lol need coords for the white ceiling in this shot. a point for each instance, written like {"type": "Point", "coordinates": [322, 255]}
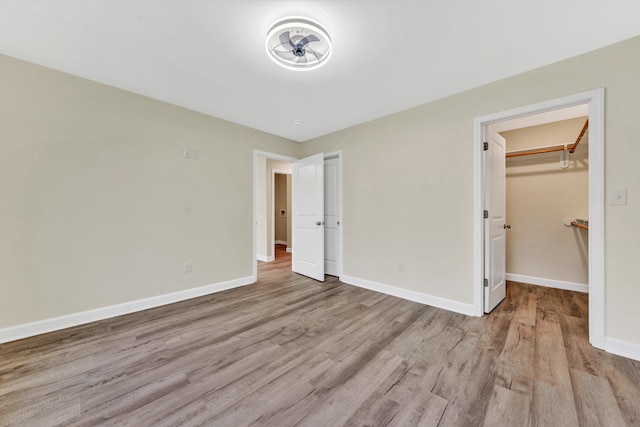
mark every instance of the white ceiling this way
{"type": "Point", "coordinates": [388, 56]}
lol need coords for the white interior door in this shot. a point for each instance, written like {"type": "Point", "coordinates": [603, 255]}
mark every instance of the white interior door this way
{"type": "Point", "coordinates": [331, 216]}
{"type": "Point", "coordinates": [307, 194]}
{"type": "Point", "coordinates": [495, 231]}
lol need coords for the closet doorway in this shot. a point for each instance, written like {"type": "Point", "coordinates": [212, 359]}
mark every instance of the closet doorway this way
{"type": "Point", "coordinates": [547, 198]}
{"type": "Point", "coordinates": [594, 102]}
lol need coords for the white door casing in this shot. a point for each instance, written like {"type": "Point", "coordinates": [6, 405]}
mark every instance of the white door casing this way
{"type": "Point", "coordinates": [307, 194]}
{"type": "Point", "coordinates": [495, 231]}
{"type": "Point", "coordinates": [332, 216]}
{"type": "Point", "coordinates": [597, 295]}
{"type": "Point", "coordinates": [257, 155]}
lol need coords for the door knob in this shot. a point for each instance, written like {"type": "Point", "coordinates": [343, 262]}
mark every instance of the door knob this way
{"type": "Point", "coordinates": [507, 226]}
{"type": "Point", "coordinates": [318, 223]}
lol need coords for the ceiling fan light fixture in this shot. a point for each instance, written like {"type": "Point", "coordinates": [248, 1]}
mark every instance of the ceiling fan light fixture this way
{"type": "Point", "coordinates": [299, 44]}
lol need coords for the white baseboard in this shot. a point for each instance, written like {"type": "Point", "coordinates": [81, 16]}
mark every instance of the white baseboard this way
{"type": "Point", "coordinates": [434, 301]}
{"type": "Point", "coordinates": [550, 283]}
{"type": "Point", "coordinates": [289, 250]}
{"type": "Point", "coordinates": [13, 333]}
{"type": "Point", "coordinates": [265, 258]}
{"type": "Point", "coordinates": [280, 242]}
{"type": "Point", "coordinates": [622, 348]}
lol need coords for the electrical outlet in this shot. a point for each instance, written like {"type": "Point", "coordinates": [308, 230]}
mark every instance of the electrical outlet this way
{"type": "Point", "coordinates": [401, 266]}
{"type": "Point", "coordinates": [188, 268]}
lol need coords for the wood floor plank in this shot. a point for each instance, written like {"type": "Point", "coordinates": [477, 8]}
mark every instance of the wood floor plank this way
{"type": "Point", "coordinates": [552, 406]}
{"type": "Point", "coordinates": [377, 410]}
{"type": "Point", "coordinates": [525, 311]}
{"type": "Point", "coordinates": [127, 402]}
{"type": "Point", "coordinates": [551, 362]}
{"type": "Point", "coordinates": [580, 354]}
{"type": "Point", "coordinates": [474, 389]}
{"type": "Point", "coordinates": [192, 414]}
{"type": "Point", "coordinates": [515, 364]}
{"type": "Point", "coordinates": [347, 397]}
{"type": "Point", "coordinates": [548, 304]}
{"type": "Point", "coordinates": [595, 402]}
{"type": "Point", "coordinates": [508, 408]}
{"type": "Point", "coordinates": [422, 409]}
{"type": "Point", "coordinates": [288, 350]}
{"type": "Point", "coordinates": [553, 397]}
{"type": "Point", "coordinates": [622, 375]}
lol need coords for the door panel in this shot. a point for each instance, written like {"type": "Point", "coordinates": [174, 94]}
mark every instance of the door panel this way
{"type": "Point", "coordinates": [307, 194]}
{"type": "Point", "coordinates": [495, 236]}
{"type": "Point", "coordinates": [331, 216]}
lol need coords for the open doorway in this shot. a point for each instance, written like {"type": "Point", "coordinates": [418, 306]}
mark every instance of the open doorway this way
{"type": "Point", "coordinates": [547, 199]}
{"type": "Point", "coordinates": [594, 100]}
{"type": "Point", "coordinates": [266, 166]}
{"type": "Point", "coordinates": [281, 213]}
{"type": "Point", "coordinates": [269, 181]}
{"type": "Point", "coordinates": [272, 173]}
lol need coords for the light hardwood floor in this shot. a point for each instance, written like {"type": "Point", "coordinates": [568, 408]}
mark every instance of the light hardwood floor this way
{"type": "Point", "coordinates": [291, 351]}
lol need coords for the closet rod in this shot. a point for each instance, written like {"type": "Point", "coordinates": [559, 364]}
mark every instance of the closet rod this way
{"type": "Point", "coordinates": [584, 227]}
{"type": "Point", "coordinates": [575, 144]}
{"type": "Point", "coordinates": [571, 148]}
{"type": "Point", "coordinates": [540, 151]}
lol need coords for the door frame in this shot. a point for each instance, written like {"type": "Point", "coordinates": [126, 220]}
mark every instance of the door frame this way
{"type": "Point", "coordinates": [280, 157]}
{"type": "Point", "coordinates": [272, 156]}
{"type": "Point", "coordinates": [595, 100]}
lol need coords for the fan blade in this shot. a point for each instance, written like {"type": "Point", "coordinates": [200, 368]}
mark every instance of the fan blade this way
{"type": "Point", "coordinates": [288, 55]}
{"type": "Point", "coordinates": [310, 38]}
{"type": "Point", "coordinates": [285, 39]}
{"type": "Point", "coordinates": [314, 53]}
{"type": "Point", "coordinates": [301, 60]}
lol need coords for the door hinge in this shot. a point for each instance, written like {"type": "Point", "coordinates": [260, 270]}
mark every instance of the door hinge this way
{"type": "Point", "coordinates": [485, 214]}
{"type": "Point", "coordinates": [486, 283]}
{"type": "Point", "coordinates": [485, 146]}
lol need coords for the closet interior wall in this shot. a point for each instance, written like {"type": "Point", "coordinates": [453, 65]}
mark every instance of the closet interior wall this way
{"type": "Point", "coordinates": [540, 195]}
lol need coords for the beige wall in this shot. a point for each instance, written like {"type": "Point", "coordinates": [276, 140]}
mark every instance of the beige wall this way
{"type": "Point", "coordinates": [408, 182]}
{"type": "Point", "coordinates": [289, 222]}
{"type": "Point", "coordinates": [280, 198]}
{"type": "Point", "coordinates": [539, 196]}
{"type": "Point", "coordinates": [262, 245]}
{"type": "Point", "coordinates": [99, 207]}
